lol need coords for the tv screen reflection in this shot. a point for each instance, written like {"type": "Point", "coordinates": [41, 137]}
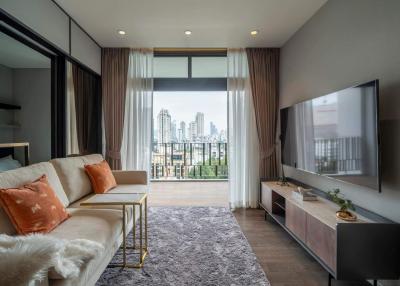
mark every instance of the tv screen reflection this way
{"type": "Point", "coordinates": [335, 135]}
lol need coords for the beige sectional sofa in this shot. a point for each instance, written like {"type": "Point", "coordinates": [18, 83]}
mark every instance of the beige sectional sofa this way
{"type": "Point", "coordinates": [71, 184]}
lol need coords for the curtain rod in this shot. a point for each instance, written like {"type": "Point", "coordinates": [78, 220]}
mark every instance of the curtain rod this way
{"type": "Point", "coordinates": [210, 50]}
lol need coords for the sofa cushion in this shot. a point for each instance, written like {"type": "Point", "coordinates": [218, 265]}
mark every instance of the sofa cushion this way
{"type": "Point", "coordinates": [100, 225]}
{"type": "Point", "coordinates": [101, 177]}
{"type": "Point", "coordinates": [33, 207]}
{"type": "Point", "coordinates": [77, 204]}
{"type": "Point", "coordinates": [105, 226]}
{"type": "Point", "coordinates": [25, 175]}
{"type": "Point", "coordinates": [72, 175]}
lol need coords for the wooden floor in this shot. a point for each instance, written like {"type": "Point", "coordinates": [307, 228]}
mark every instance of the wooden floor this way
{"type": "Point", "coordinates": [210, 193]}
{"type": "Point", "coordinates": [283, 260]}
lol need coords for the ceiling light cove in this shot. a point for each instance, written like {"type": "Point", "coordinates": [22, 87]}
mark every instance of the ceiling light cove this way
{"type": "Point", "coordinates": [254, 32]}
{"type": "Point", "coordinates": [121, 32]}
{"type": "Point", "coordinates": [188, 32]}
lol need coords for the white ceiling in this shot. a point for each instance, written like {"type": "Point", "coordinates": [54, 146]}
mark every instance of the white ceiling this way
{"type": "Point", "coordinates": [214, 23]}
{"type": "Point", "coordinates": [14, 54]}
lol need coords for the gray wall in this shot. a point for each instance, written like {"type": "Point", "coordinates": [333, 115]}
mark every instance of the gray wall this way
{"type": "Point", "coordinates": [84, 49]}
{"type": "Point", "coordinates": [37, 15]}
{"type": "Point", "coordinates": [6, 116]}
{"type": "Point", "coordinates": [32, 90]}
{"type": "Point", "coordinates": [345, 43]}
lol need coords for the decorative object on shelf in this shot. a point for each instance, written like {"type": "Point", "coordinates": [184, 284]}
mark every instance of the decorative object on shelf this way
{"type": "Point", "coordinates": [305, 194]}
{"type": "Point", "coordinates": [344, 204]}
{"type": "Point", "coordinates": [282, 179]}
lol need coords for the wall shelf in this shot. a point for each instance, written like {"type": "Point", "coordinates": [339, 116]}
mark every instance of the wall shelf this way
{"type": "Point", "coordinates": [280, 205]}
{"type": "Point", "coordinates": [7, 106]}
{"type": "Point", "coordinates": [10, 126]}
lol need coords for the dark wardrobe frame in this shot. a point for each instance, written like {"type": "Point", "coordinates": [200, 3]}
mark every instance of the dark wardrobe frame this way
{"type": "Point", "coordinates": [12, 27]}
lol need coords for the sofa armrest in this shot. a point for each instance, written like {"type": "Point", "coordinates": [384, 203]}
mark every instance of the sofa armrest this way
{"type": "Point", "coordinates": [130, 177]}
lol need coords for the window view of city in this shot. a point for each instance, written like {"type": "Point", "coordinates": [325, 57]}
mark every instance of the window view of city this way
{"type": "Point", "coordinates": [190, 135]}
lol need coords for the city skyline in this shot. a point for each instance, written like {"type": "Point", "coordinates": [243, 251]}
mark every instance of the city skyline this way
{"type": "Point", "coordinates": [169, 130]}
{"type": "Point", "coordinates": [183, 106]}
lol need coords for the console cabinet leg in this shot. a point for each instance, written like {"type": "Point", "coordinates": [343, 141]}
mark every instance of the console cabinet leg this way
{"type": "Point", "coordinates": [329, 279]}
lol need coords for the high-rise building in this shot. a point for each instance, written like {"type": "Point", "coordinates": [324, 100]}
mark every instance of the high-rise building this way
{"type": "Point", "coordinates": [183, 128]}
{"type": "Point", "coordinates": [164, 126]}
{"type": "Point", "coordinates": [200, 124]}
{"type": "Point", "coordinates": [180, 136]}
{"type": "Point", "coordinates": [182, 132]}
{"type": "Point", "coordinates": [192, 130]}
{"type": "Point", "coordinates": [174, 137]}
{"type": "Point", "coordinates": [223, 136]}
{"type": "Point", "coordinates": [213, 129]}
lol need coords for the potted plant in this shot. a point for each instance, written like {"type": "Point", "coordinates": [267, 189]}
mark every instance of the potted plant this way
{"type": "Point", "coordinates": [344, 204]}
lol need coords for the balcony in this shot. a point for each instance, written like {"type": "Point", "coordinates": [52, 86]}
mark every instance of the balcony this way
{"type": "Point", "coordinates": [190, 161]}
{"type": "Point", "coordinates": [338, 156]}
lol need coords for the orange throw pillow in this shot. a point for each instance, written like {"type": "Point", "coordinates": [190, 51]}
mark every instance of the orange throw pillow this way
{"type": "Point", "coordinates": [101, 177]}
{"type": "Point", "coordinates": [33, 208]}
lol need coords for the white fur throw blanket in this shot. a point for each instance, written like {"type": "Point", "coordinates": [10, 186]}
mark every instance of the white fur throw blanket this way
{"type": "Point", "coordinates": [24, 259]}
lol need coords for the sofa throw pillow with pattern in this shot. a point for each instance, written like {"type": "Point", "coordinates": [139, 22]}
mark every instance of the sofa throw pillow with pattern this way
{"type": "Point", "coordinates": [101, 177]}
{"type": "Point", "coordinates": [34, 207]}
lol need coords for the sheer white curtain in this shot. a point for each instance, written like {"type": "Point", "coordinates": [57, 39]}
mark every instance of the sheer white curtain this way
{"type": "Point", "coordinates": [72, 135]}
{"type": "Point", "coordinates": [305, 145]}
{"type": "Point", "coordinates": [243, 140]}
{"type": "Point", "coordinates": [136, 142]}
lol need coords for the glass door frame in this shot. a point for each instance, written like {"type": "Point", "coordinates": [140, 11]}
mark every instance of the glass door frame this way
{"type": "Point", "coordinates": [189, 83]}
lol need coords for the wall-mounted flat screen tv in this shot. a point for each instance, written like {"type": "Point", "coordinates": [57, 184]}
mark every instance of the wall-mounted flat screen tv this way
{"type": "Point", "coordinates": [335, 135]}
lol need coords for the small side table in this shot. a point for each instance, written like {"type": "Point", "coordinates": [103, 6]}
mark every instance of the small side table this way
{"type": "Point", "coordinates": [132, 199]}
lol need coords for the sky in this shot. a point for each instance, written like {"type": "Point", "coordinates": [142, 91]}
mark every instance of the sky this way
{"type": "Point", "coordinates": [184, 105]}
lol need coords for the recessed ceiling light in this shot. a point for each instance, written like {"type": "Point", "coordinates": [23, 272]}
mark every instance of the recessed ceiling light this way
{"type": "Point", "coordinates": [254, 32]}
{"type": "Point", "coordinates": [121, 32]}
{"type": "Point", "coordinates": [188, 32]}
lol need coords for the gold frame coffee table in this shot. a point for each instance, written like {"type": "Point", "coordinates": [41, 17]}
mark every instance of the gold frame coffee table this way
{"type": "Point", "coordinates": [126, 199]}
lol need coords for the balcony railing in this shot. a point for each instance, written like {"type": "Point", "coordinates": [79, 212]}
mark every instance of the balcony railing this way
{"type": "Point", "coordinates": [189, 161]}
{"type": "Point", "coordinates": [339, 155]}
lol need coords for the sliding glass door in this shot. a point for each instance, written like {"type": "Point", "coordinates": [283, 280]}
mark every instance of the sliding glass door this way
{"type": "Point", "coordinates": [189, 117]}
{"type": "Point", "coordinates": [25, 99]}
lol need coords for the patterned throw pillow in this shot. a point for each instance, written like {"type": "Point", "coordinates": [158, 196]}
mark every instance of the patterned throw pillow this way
{"type": "Point", "coordinates": [33, 208]}
{"type": "Point", "coordinates": [101, 177]}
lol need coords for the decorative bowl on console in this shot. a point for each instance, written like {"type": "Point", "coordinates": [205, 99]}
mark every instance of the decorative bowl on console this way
{"type": "Point", "coordinates": [346, 215]}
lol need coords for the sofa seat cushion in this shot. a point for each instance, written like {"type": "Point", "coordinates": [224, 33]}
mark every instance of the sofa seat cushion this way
{"type": "Point", "coordinates": [100, 225]}
{"type": "Point", "coordinates": [25, 175]}
{"type": "Point", "coordinates": [72, 175]}
{"type": "Point", "coordinates": [129, 189]}
{"type": "Point", "coordinates": [128, 209]}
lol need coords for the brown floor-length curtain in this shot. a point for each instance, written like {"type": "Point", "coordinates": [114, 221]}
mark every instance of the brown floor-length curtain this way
{"type": "Point", "coordinates": [114, 64]}
{"type": "Point", "coordinates": [264, 81]}
{"type": "Point", "coordinates": [87, 90]}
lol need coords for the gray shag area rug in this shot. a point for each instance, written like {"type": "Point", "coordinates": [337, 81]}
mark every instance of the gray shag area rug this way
{"type": "Point", "coordinates": [191, 246]}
